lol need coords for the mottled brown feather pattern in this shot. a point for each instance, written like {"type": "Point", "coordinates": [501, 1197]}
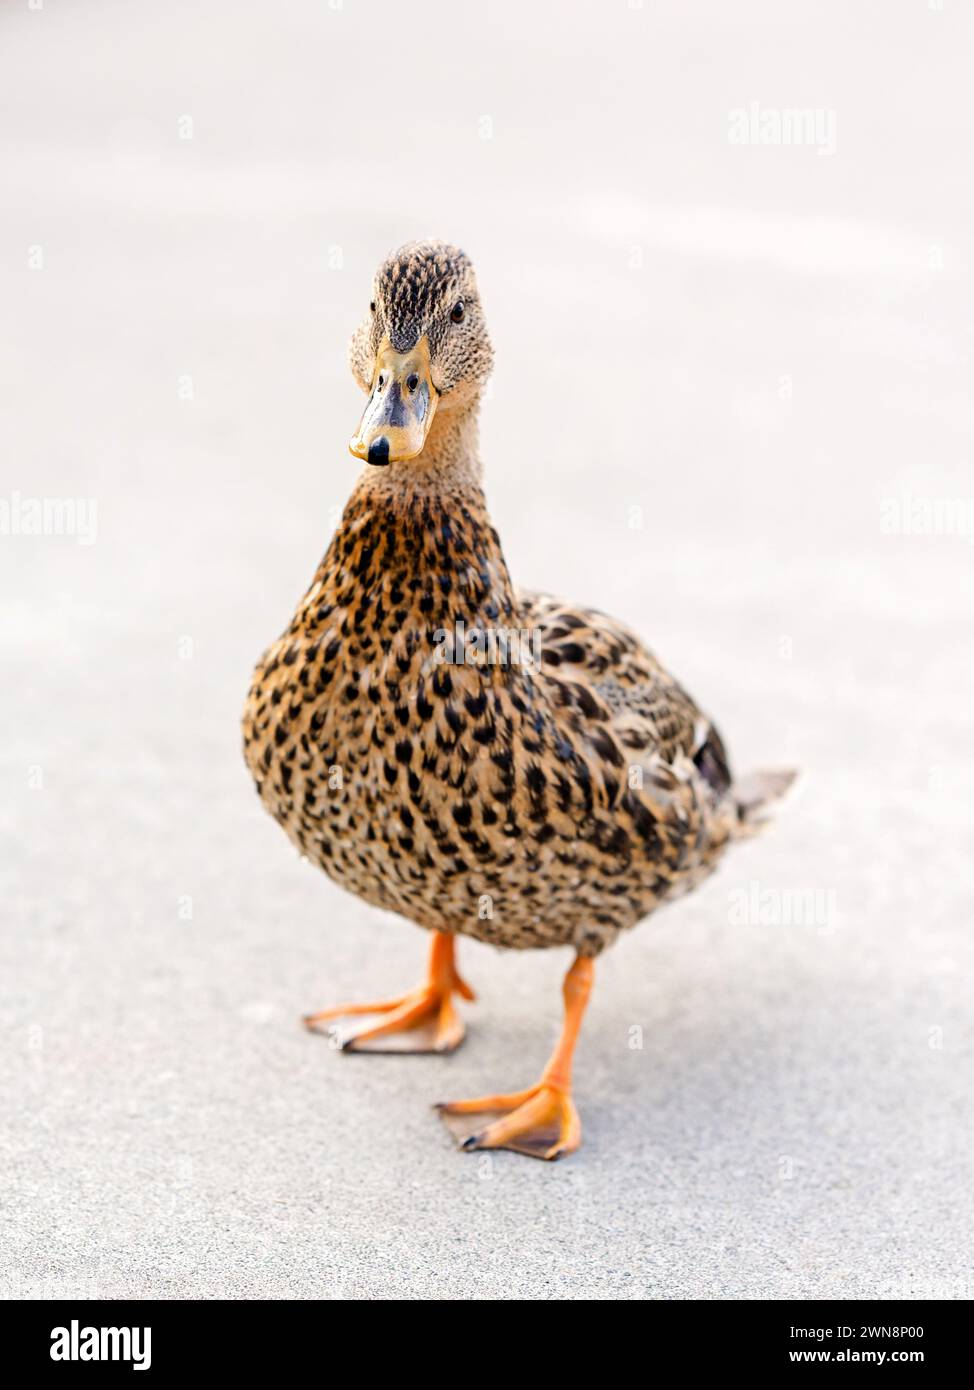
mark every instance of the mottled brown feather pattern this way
{"type": "Point", "coordinates": [462, 781]}
{"type": "Point", "coordinates": [525, 806]}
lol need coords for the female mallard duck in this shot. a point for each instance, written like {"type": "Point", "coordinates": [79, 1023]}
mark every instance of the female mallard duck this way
{"type": "Point", "coordinates": [530, 793]}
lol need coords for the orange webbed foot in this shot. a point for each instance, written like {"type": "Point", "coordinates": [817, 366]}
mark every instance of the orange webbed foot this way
{"type": "Point", "coordinates": [540, 1122]}
{"type": "Point", "coordinates": [422, 1020]}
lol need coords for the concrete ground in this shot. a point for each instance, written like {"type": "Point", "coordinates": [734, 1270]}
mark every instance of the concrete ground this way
{"type": "Point", "coordinates": [729, 374]}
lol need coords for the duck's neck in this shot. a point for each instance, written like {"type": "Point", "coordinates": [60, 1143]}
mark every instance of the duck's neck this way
{"type": "Point", "coordinates": [416, 536]}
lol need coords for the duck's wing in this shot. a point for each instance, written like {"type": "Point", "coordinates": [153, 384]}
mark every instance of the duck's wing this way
{"type": "Point", "coordinates": [650, 712]}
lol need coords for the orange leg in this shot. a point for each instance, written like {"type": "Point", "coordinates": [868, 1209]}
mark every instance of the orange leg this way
{"type": "Point", "coordinates": [424, 1020]}
{"type": "Point", "coordinates": [541, 1121]}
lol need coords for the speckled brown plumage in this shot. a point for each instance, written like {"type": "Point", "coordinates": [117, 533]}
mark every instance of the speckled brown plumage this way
{"type": "Point", "coordinates": [523, 806]}
{"type": "Point", "coordinates": [495, 801]}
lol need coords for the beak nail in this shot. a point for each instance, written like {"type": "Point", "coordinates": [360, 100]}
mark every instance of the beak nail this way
{"type": "Point", "coordinates": [379, 451]}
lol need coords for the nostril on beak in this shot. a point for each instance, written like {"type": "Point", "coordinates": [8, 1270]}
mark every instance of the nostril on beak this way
{"type": "Point", "coordinates": [412, 381]}
{"type": "Point", "coordinates": [379, 451]}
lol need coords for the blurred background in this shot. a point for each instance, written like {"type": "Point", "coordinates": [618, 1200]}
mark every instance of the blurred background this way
{"type": "Point", "coordinates": [725, 255]}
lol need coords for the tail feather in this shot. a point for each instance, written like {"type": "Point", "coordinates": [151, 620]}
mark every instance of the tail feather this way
{"type": "Point", "coordinates": [756, 792]}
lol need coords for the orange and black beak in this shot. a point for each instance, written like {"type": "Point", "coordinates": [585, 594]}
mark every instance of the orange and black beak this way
{"type": "Point", "coordinates": [401, 406]}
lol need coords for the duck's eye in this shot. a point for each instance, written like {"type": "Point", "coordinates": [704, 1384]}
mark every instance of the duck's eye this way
{"type": "Point", "coordinates": [457, 312]}
{"type": "Point", "coordinates": [372, 307]}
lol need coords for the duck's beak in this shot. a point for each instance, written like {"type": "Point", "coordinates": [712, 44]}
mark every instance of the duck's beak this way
{"type": "Point", "coordinates": [401, 406]}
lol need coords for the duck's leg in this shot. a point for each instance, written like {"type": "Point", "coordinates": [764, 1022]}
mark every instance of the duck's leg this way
{"type": "Point", "coordinates": [424, 1020]}
{"type": "Point", "coordinates": [542, 1121]}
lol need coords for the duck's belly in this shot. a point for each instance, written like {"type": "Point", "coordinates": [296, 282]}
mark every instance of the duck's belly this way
{"type": "Point", "coordinates": [402, 840]}
{"type": "Point", "coordinates": [516, 899]}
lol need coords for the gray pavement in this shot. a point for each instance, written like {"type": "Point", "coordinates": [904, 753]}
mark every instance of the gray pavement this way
{"type": "Point", "coordinates": [727, 376]}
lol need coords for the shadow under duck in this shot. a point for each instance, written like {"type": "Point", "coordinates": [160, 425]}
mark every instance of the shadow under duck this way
{"type": "Point", "coordinates": [553, 797]}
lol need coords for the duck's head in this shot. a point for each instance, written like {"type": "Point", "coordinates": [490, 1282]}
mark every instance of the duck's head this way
{"type": "Point", "coordinates": [421, 349]}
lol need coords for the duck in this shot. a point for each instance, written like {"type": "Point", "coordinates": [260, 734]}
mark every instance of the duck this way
{"type": "Point", "coordinates": [481, 760]}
